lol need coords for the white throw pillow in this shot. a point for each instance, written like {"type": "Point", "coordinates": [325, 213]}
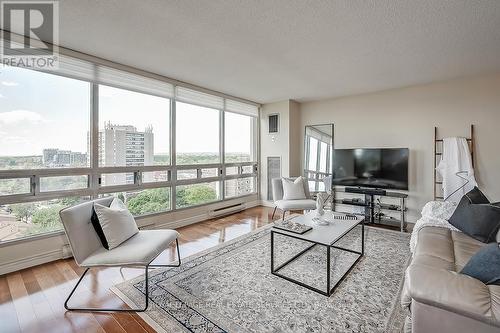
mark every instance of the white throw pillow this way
{"type": "Point", "coordinates": [293, 190]}
{"type": "Point", "coordinates": [116, 221]}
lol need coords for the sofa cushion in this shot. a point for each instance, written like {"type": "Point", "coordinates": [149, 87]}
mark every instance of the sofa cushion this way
{"type": "Point", "coordinates": [444, 248]}
{"type": "Point", "coordinates": [476, 217]}
{"type": "Point", "coordinates": [432, 277]}
{"type": "Point", "coordinates": [476, 196]}
{"type": "Point", "coordinates": [435, 243]}
{"type": "Point", "coordinates": [485, 264]}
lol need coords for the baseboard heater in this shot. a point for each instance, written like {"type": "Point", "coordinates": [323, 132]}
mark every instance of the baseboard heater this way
{"type": "Point", "coordinates": [227, 210]}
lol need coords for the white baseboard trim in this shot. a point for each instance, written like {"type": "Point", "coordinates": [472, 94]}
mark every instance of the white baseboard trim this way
{"type": "Point", "coordinates": [267, 203]}
{"type": "Point", "coordinates": [38, 259]}
{"type": "Point", "coordinates": [197, 218]}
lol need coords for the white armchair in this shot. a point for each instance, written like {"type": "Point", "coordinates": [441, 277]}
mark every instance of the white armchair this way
{"type": "Point", "coordinates": [288, 205]}
{"type": "Point", "coordinates": [139, 250]}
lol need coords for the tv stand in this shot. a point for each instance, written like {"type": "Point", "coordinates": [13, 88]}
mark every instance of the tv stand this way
{"type": "Point", "coordinates": [363, 190]}
{"type": "Point", "coordinates": [373, 210]}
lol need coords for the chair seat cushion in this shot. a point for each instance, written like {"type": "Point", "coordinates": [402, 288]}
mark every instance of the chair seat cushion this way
{"type": "Point", "coordinates": [140, 249]}
{"type": "Point", "coordinates": [296, 204]}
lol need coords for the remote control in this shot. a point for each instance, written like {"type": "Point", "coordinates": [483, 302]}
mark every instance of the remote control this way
{"type": "Point", "coordinates": [345, 217]}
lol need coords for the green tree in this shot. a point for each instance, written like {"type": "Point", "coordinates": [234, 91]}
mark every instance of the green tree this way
{"type": "Point", "coordinates": [45, 220]}
{"type": "Point", "coordinates": [194, 195]}
{"type": "Point", "coordinates": [23, 211]}
{"type": "Point", "coordinates": [149, 201]}
{"type": "Point", "coordinates": [70, 201]}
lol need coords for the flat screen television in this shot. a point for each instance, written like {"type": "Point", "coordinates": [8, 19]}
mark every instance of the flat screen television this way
{"type": "Point", "coordinates": [384, 168]}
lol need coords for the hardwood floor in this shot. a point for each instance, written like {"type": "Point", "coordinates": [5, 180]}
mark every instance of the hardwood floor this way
{"type": "Point", "coordinates": [32, 300]}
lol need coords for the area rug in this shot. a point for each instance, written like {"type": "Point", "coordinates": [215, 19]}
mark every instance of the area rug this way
{"type": "Point", "coordinates": [229, 288]}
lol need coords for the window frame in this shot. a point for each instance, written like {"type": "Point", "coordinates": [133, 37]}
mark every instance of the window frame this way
{"type": "Point", "coordinates": [94, 171]}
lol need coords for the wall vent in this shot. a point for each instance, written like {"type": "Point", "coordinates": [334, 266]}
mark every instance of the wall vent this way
{"type": "Point", "coordinates": [273, 123]}
{"type": "Point", "coordinates": [273, 171]}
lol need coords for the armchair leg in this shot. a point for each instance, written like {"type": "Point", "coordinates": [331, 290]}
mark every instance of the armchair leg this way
{"type": "Point", "coordinates": [67, 307]}
{"type": "Point", "coordinates": [146, 280]}
{"type": "Point", "coordinates": [283, 215]}
{"type": "Point", "coordinates": [178, 257]}
{"type": "Point", "coordinates": [274, 212]}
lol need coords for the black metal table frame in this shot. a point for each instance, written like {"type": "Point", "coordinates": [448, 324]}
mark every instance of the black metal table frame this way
{"type": "Point", "coordinates": [329, 291]}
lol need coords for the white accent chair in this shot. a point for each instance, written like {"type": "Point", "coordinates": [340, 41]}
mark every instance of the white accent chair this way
{"type": "Point", "coordinates": [139, 250]}
{"type": "Point", "coordinates": [288, 205]}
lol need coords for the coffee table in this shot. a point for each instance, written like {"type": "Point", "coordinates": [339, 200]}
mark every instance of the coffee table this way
{"type": "Point", "coordinates": [320, 235]}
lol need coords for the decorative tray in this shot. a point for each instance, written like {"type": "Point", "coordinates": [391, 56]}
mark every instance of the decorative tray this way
{"type": "Point", "coordinates": [296, 228]}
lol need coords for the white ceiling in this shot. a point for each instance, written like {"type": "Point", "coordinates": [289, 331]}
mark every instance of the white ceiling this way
{"type": "Point", "coordinates": [271, 50]}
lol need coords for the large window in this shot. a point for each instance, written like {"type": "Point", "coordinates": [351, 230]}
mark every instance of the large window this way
{"type": "Point", "coordinates": [65, 140]}
{"type": "Point", "coordinates": [240, 143]}
{"type": "Point", "coordinates": [197, 139]}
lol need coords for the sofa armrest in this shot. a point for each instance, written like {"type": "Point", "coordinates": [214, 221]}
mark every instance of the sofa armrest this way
{"type": "Point", "coordinates": [449, 290]}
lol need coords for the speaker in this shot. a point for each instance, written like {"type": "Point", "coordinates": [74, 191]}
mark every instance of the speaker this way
{"type": "Point", "coordinates": [371, 191]}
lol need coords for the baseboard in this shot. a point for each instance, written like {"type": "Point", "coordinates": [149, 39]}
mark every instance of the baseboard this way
{"type": "Point", "coordinates": [195, 219]}
{"type": "Point", "coordinates": [38, 259]}
{"type": "Point", "coordinates": [267, 203]}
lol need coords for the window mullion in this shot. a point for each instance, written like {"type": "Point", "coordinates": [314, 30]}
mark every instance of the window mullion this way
{"type": "Point", "coordinates": [222, 150]}
{"type": "Point", "coordinates": [173, 154]}
{"type": "Point", "coordinates": [94, 139]}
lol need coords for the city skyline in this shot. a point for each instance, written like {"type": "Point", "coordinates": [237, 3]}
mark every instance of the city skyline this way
{"type": "Point", "coordinates": [29, 124]}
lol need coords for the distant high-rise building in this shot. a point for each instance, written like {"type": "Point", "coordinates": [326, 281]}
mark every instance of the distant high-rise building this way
{"type": "Point", "coordinates": [78, 159]}
{"type": "Point", "coordinates": [123, 145]}
{"type": "Point", "coordinates": [240, 186]}
{"type": "Point", "coordinates": [53, 157]}
{"type": "Point", "coordinates": [48, 156]}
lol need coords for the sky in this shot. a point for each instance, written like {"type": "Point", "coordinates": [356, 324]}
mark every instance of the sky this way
{"type": "Point", "coordinates": [39, 110]}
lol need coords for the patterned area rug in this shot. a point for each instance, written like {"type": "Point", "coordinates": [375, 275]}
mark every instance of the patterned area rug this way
{"type": "Point", "coordinates": [229, 288]}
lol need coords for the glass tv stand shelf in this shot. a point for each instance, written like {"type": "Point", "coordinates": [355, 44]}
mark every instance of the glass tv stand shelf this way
{"type": "Point", "coordinates": [375, 211]}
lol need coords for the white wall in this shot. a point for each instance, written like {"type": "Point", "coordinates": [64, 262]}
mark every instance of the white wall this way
{"type": "Point", "coordinates": [284, 144]}
{"type": "Point", "coordinates": [406, 118]}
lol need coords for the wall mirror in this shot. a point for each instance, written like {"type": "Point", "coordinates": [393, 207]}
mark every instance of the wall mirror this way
{"type": "Point", "coordinates": [318, 146]}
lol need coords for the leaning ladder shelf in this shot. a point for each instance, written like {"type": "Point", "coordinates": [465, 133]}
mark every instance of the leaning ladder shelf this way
{"type": "Point", "coordinates": [438, 153]}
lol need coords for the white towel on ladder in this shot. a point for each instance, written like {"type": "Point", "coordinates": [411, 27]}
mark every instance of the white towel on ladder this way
{"type": "Point", "coordinates": [456, 169]}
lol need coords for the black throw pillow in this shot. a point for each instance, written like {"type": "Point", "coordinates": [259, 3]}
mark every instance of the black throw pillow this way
{"type": "Point", "coordinates": [485, 264]}
{"type": "Point", "coordinates": [475, 196]}
{"type": "Point", "coordinates": [476, 217]}
{"type": "Point", "coordinates": [98, 229]}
